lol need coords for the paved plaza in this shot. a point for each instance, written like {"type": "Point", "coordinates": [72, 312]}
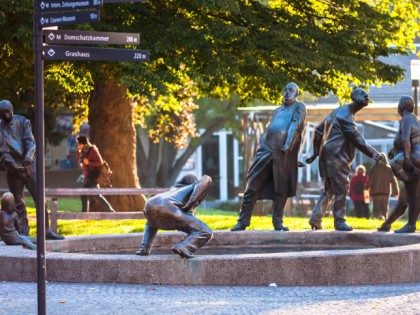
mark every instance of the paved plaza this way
{"type": "Point", "coordinates": [73, 298]}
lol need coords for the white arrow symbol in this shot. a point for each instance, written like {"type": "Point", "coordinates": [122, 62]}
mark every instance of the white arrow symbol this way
{"type": "Point", "coordinates": [51, 52]}
{"type": "Point", "coordinates": [42, 5]}
{"type": "Point", "coordinates": [51, 36]}
{"type": "Point", "coordinates": [42, 20]}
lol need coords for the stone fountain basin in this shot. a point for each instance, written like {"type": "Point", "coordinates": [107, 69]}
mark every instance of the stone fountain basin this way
{"type": "Point", "coordinates": [239, 258]}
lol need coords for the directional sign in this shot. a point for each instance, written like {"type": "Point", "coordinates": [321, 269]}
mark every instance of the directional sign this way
{"type": "Point", "coordinates": [71, 5]}
{"type": "Point", "coordinates": [89, 38]}
{"type": "Point", "coordinates": [64, 18]}
{"type": "Point", "coordinates": [93, 53]}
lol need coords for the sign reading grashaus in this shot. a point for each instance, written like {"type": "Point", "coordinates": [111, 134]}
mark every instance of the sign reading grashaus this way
{"type": "Point", "coordinates": [94, 54]}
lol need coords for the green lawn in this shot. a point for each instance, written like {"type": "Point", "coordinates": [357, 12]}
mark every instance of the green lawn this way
{"type": "Point", "coordinates": [216, 219]}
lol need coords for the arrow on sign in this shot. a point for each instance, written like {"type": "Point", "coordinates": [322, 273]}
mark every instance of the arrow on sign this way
{"type": "Point", "coordinates": [94, 54]}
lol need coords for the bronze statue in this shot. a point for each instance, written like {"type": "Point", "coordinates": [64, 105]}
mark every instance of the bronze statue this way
{"type": "Point", "coordinates": [17, 154]}
{"type": "Point", "coordinates": [9, 224]}
{"type": "Point", "coordinates": [335, 141]}
{"type": "Point", "coordinates": [405, 158]}
{"type": "Point", "coordinates": [174, 210]}
{"type": "Point", "coordinates": [273, 173]}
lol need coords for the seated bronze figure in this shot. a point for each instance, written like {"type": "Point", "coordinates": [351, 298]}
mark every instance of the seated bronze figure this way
{"type": "Point", "coordinates": [9, 223]}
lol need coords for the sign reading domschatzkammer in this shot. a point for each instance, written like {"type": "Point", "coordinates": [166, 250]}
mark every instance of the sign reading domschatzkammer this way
{"type": "Point", "coordinates": [89, 37]}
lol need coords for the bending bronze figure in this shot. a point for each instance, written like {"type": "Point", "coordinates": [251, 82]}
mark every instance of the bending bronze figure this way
{"type": "Point", "coordinates": [174, 210]}
{"type": "Point", "coordinates": [273, 173]}
{"type": "Point", "coordinates": [335, 141]}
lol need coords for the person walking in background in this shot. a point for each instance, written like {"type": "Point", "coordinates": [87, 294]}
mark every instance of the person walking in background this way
{"type": "Point", "coordinates": [359, 194]}
{"type": "Point", "coordinates": [381, 181]}
{"type": "Point", "coordinates": [91, 161]}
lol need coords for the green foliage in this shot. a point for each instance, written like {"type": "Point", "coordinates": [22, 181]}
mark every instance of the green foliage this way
{"type": "Point", "coordinates": [169, 116]}
{"type": "Point", "coordinates": [236, 47]}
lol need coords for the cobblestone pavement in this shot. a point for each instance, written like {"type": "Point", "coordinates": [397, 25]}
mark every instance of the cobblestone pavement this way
{"type": "Point", "coordinates": [98, 299]}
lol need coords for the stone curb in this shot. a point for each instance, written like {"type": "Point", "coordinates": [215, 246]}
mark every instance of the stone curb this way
{"type": "Point", "coordinates": [383, 265]}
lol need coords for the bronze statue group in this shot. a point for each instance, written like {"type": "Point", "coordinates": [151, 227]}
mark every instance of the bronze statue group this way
{"type": "Point", "coordinates": [272, 174]}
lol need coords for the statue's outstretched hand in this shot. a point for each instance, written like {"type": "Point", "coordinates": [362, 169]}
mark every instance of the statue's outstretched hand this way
{"type": "Point", "coordinates": [378, 158]}
{"type": "Point", "coordinates": [285, 149]}
{"type": "Point", "coordinates": [310, 159]}
{"type": "Point", "coordinates": [391, 153]}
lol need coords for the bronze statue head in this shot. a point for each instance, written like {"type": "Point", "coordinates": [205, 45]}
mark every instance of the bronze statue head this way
{"type": "Point", "coordinates": [8, 202]}
{"type": "Point", "coordinates": [360, 97]}
{"type": "Point", "coordinates": [406, 104]}
{"type": "Point", "coordinates": [290, 94]}
{"type": "Point", "coordinates": [6, 110]}
{"type": "Point", "coordinates": [186, 180]}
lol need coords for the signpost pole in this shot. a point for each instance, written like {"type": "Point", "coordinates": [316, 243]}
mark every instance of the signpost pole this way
{"type": "Point", "coordinates": [56, 13]}
{"type": "Point", "coordinates": [40, 171]}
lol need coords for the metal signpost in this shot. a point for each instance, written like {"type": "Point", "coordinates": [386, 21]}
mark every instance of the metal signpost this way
{"type": "Point", "coordinates": [49, 13]}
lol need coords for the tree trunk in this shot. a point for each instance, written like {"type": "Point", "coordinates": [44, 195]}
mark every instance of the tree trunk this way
{"type": "Point", "coordinates": [112, 131]}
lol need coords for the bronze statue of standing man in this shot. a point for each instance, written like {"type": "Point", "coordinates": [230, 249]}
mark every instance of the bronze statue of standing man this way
{"type": "Point", "coordinates": [335, 141]}
{"type": "Point", "coordinates": [17, 154]}
{"type": "Point", "coordinates": [273, 173]}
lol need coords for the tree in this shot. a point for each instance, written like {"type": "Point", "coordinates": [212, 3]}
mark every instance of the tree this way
{"type": "Point", "coordinates": [227, 48]}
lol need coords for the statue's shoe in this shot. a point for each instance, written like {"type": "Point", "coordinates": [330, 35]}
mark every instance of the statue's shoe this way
{"type": "Point", "coordinates": [384, 227]}
{"type": "Point", "coordinates": [408, 228]}
{"type": "Point", "coordinates": [280, 227]}
{"type": "Point", "coordinates": [343, 226]}
{"type": "Point", "coordinates": [50, 235]}
{"type": "Point", "coordinates": [238, 227]}
{"type": "Point", "coordinates": [143, 251]}
{"type": "Point", "coordinates": [315, 226]}
{"type": "Point", "coordinates": [182, 251]}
